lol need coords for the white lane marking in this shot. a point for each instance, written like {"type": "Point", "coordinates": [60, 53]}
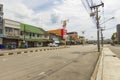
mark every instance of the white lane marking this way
{"type": "Point", "coordinates": [42, 73]}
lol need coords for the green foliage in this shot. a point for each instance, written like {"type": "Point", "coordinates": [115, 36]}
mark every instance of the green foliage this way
{"type": "Point", "coordinates": [113, 36]}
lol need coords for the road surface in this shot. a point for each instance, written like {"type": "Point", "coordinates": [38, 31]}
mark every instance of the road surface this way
{"type": "Point", "coordinates": [74, 63]}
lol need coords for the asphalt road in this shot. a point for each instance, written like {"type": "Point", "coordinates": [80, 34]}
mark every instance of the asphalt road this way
{"type": "Point", "coordinates": [116, 50]}
{"type": "Point", "coordinates": [74, 63]}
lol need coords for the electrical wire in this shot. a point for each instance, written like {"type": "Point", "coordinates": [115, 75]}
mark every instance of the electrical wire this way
{"type": "Point", "coordinates": [86, 7]}
{"type": "Point", "coordinates": [110, 28]}
{"type": "Point", "coordinates": [87, 4]}
{"type": "Point", "coordinates": [91, 2]}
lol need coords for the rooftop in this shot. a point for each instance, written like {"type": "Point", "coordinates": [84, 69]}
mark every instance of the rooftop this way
{"type": "Point", "coordinates": [31, 28]}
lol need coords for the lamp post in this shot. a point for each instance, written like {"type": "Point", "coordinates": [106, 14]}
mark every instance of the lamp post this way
{"type": "Point", "coordinates": [104, 29]}
{"type": "Point", "coordinates": [83, 39]}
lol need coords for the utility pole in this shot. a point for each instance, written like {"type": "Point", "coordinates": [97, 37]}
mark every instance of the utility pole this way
{"type": "Point", "coordinates": [102, 37]}
{"type": "Point", "coordinates": [97, 23]}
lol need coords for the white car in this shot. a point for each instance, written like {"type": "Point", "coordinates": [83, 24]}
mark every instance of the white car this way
{"type": "Point", "coordinates": [53, 45]}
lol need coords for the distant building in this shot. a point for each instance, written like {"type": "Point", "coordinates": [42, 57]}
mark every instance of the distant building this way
{"type": "Point", "coordinates": [73, 37]}
{"type": "Point", "coordinates": [60, 32]}
{"type": "Point", "coordinates": [118, 32]}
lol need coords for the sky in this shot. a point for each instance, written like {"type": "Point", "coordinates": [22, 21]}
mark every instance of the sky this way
{"type": "Point", "coordinates": [48, 14]}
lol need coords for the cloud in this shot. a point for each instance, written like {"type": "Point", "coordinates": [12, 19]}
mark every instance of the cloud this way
{"type": "Point", "coordinates": [36, 12]}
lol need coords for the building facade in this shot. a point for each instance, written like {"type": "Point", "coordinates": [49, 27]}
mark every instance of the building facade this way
{"type": "Point", "coordinates": [60, 32]}
{"type": "Point", "coordinates": [60, 35]}
{"type": "Point", "coordinates": [20, 34]}
{"type": "Point", "coordinates": [33, 36]}
{"type": "Point", "coordinates": [11, 32]}
{"type": "Point", "coordinates": [118, 32]}
{"type": "Point", "coordinates": [54, 38]}
{"type": "Point", "coordinates": [1, 25]}
{"type": "Point", "coordinates": [73, 38]}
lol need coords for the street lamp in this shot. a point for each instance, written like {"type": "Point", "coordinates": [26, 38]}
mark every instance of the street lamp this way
{"type": "Point", "coordinates": [83, 39]}
{"type": "Point", "coordinates": [107, 20]}
{"type": "Point", "coordinates": [104, 29]}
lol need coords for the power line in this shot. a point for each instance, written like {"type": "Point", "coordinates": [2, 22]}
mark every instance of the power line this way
{"type": "Point", "coordinates": [110, 28]}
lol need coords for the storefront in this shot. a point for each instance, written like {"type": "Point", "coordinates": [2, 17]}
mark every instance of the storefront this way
{"type": "Point", "coordinates": [8, 42]}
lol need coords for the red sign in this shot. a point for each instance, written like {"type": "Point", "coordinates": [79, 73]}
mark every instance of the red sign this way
{"type": "Point", "coordinates": [63, 32]}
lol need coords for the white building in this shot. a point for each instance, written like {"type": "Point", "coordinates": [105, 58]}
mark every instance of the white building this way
{"type": "Point", "coordinates": [11, 31]}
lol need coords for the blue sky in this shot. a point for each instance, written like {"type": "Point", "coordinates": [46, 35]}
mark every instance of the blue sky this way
{"type": "Point", "coordinates": [48, 14]}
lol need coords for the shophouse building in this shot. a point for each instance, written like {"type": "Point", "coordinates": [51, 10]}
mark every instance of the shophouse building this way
{"type": "Point", "coordinates": [33, 36]}
{"type": "Point", "coordinates": [11, 32]}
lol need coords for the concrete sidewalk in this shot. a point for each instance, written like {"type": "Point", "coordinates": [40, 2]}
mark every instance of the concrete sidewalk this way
{"type": "Point", "coordinates": [107, 67]}
{"type": "Point", "coordinates": [111, 65]}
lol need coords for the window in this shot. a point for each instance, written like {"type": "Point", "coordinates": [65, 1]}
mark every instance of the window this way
{"type": "Point", "coordinates": [0, 8]}
{"type": "Point", "coordinates": [8, 30]}
{"type": "Point", "coordinates": [21, 33]}
{"type": "Point", "coordinates": [16, 32]}
{"type": "Point", "coordinates": [37, 35]}
{"type": "Point", "coordinates": [0, 31]}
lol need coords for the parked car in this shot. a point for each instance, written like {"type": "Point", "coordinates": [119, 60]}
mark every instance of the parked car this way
{"type": "Point", "coordinates": [53, 45]}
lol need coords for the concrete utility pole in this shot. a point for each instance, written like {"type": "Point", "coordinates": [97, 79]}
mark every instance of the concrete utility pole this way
{"type": "Point", "coordinates": [97, 23]}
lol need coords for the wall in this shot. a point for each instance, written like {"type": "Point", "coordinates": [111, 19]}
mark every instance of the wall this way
{"type": "Point", "coordinates": [0, 40]}
{"type": "Point", "coordinates": [14, 26]}
{"type": "Point", "coordinates": [118, 32]}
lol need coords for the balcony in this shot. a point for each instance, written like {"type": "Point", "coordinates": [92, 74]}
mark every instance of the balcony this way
{"type": "Point", "coordinates": [28, 38]}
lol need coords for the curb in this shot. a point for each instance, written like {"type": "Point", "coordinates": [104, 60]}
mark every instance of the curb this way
{"type": "Point", "coordinates": [97, 73]}
{"type": "Point", "coordinates": [16, 52]}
